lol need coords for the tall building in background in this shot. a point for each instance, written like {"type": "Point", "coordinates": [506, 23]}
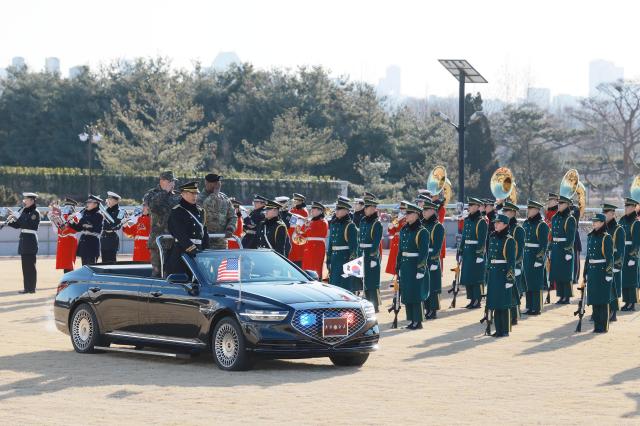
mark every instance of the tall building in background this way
{"type": "Point", "coordinates": [601, 71]}
{"type": "Point", "coordinates": [18, 62]}
{"type": "Point", "coordinates": [77, 70]}
{"type": "Point", "coordinates": [224, 60]}
{"type": "Point", "coordinates": [540, 96]}
{"type": "Point", "coordinates": [389, 85]}
{"type": "Point", "coordinates": [52, 65]}
{"type": "Point", "coordinates": [563, 102]}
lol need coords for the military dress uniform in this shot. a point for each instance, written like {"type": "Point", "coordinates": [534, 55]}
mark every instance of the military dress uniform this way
{"type": "Point", "coordinates": [315, 231]}
{"type": "Point", "coordinates": [517, 233]}
{"type": "Point", "coordinates": [139, 231]}
{"type": "Point", "coordinates": [358, 214]}
{"type": "Point", "coordinates": [67, 244]}
{"type": "Point", "coordinates": [233, 244]}
{"type": "Point", "coordinates": [533, 268]}
{"type": "Point", "coordinates": [300, 209]}
{"type": "Point", "coordinates": [221, 218]}
{"type": "Point", "coordinates": [342, 247]}
{"type": "Point", "coordinates": [598, 274]}
{"type": "Point", "coordinates": [411, 267]}
{"type": "Point", "coordinates": [28, 223]}
{"type": "Point", "coordinates": [187, 225]}
{"type": "Point", "coordinates": [273, 232]}
{"type": "Point", "coordinates": [472, 254]}
{"type": "Point", "coordinates": [253, 225]}
{"type": "Point", "coordinates": [630, 264]}
{"type": "Point", "coordinates": [393, 230]}
{"type": "Point", "coordinates": [501, 278]}
{"type": "Point", "coordinates": [109, 240]}
{"type": "Point", "coordinates": [89, 227]}
{"type": "Point", "coordinates": [618, 235]}
{"type": "Point", "coordinates": [369, 237]}
{"type": "Point", "coordinates": [563, 232]}
{"type": "Point", "coordinates": [435, 230]}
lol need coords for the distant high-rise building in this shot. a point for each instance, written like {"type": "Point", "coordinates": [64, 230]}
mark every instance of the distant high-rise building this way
{"type": "Point", "coordinates": [562, 102]}
{"type": "Point", "coordinates": [390, 84]}
{"type": "Point", "coordinates": [3, 73]}
{"type": "Point", "coordinates": [52, 65]}
{"type": "Point", "coordinates": [601, 71]}
{"type": "Point", "coordinates": [77, 70]}
{"type": "Point", "coordinates": [224, 60]}
{"type": "Point", "coordinates": [540, 96]}
{"type": "Point", "coordinates": [18, 62]}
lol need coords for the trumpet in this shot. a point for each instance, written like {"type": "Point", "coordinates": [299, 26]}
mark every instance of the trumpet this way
{"type": "Point", "coordinates": [12, 216]}
{"type": "Point", "coordinates": [105, 213]}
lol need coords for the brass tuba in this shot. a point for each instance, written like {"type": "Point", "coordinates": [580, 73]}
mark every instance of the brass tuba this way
{"type": "Point", "coordinates": [635, 188]}
{"type": "Point", "coordinates": [439, 183]}
{"type": "Point", "coordinates": [571, 186]}
{"type": "Point", "coordinates": [503, 186]}
{"type": "Point", "coordinates": [297, 236]}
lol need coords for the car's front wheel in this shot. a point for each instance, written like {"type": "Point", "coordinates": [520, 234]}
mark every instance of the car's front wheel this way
{"type": "Point", "coordinates": [228, 346]}
{"type": "Point", "coordinates": [85, 332]}
{"type": "Point", "coordinates": [354, 360]}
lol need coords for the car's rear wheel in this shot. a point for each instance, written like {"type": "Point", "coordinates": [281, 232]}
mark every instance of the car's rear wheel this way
{"type": "Point", "coordinates": [229, 347]}
{"type": "Point", "coordinates": [84, 329]}
{"type": "Point", "coordinates": [354, 360]}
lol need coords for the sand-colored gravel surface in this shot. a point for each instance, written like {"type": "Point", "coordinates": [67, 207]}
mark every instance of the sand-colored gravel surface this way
{"type": "Point", "coordinates": [447, 373]}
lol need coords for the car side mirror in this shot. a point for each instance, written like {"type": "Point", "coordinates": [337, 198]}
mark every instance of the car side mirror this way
{"type": "Point", "coordinates": [312, 274]}
{"type": "Point", "coordinates": [181, 278]}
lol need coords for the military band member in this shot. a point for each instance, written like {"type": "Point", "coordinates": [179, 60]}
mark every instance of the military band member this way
{"type": "Point", "coordinates": [472, 253]}
{"type": "Point", "coordinates": [161, 201]}
{"type": "Point", "coordinates": [502, 264]}
{"type": "Point", "coordinates": [358, 211]}
{"type": "Point", "coordinates": [237, 211]}
{"type": "Point", "coordinates": [109, 240]}
{"type": "Point", "coordinates": [253, 223]}
{"type": "Point", "coordinates": [285, 214]}
{"type": "Point", "coordinates": [563, 232]}
{"type": "Point", "coordinates": [221, 217]}
{"type": "Point", "coordinates": [300, 209]}
{"type": "Point", "coordinates": [393, 230]}
{"type": "Point", "coordinates": [342, 247]}
{"type": "Point", "coordinates": [187, 225]}
{"type": "Point", "coordinates": [517, 232]}
{"type": "Point", "coordinates": [27, 222]}
{"type": "Point", "coordinates": [435, 230]}
{"type": "Point", "coordinates": [617, 234]}
{"type": "Point", "coordinates": [632, 245]}
{"type": "Point", "coordinates": [315, 231]}
{"type": "Point", "coordinates": [535, 248]}
{"type": "Point", "coordinates": [273, 231]}
{"type": "Point", "coordinates": [139, 228]}
{"type": "Point", "coordinates": [67, 243]}
{"type": "Point", "coordinates": [411, 266]}
{"type": "Point", "coordinates": [598, 273]}
{"type": "Point", "coordinates": [89, 227]}
{"type": "Point", "coordinates": [552, 207]}
{"type": "Point", "coordinates": [369, 237]}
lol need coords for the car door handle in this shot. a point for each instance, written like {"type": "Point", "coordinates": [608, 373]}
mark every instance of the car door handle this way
{"type": "Point", "coordinates": [156, 293]}
{"type": "Point", "coordinates": [94, 289]}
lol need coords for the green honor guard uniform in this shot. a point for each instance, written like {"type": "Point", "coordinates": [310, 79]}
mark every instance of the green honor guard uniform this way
{"type": "Point", "coordinates": [598, 273]}
{"type": "Point", "coordinates": [535, 247]}
{"type": "Point", "coordinates": [617, 233]}
{"type": "Point", "coordinates": [342, 246]}
{"type": "Point", "coordinates": [517, 233]}
{"type": "Point", "coordinates": [435, 231]}
{"type": "Point", "coordinates": [630, 264]}
{"type": "Point", "coordinates": [411, 265]}
{"type": "Point", "coordinates": [502, 265]}
{"type": "Point", "coordinates": [369, 237]}
{"type": "Point", "coordinates": [563, 233]}
{"type": "Point", "coordinates": [472, 252]}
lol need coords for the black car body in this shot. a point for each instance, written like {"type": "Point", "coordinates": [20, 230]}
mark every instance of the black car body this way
{"type": "Point", "coordinates": [271, 309]}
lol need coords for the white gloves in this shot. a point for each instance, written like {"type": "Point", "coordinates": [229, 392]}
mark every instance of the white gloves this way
{"type": "Point", "coordinates": [615, 270]}
{"type": "Point", "coordinates": [479, 259]}
{"type": "Point", "coordinates": [433, 268]}
{"type": "Point", "coordinates": [373, 263]}
{"type": "Point", "coordinates": [631, 263]}
{"type": "Point", "coordinates": [419, 276]}
{"type": "Point", "coordinates": [518, 272]}
{"type": "Point", "coordinates": [508, 285]}
{"type": "Point", "coordinates": [537, 264]}
{"type": "Point", "coordinates": [607, 279]}
{"type": "Point", "coordinates": [568, 257]}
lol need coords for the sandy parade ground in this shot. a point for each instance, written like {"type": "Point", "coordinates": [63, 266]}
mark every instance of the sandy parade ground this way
{"type": "Point", "coordinates": [447, 373]}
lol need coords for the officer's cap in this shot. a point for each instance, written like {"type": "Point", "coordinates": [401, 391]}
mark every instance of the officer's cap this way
{"type": "Point", "coordinates": [167, 175]}
{"type": "Point", "coordinates": [190, 187]}
{"type": "Point", "coordinates": [298, 197]}
{"type": "Point", "coordinates": [472, 201]}
{"type": "Point", "coordinates": [630, 202]}
{"type": "Point", "coordinates": [412, 208]}
{"type": "Point", "coordinates": [532, 204]}
{"type": "Point", "coordinates": [113, 195]}
{"type": "Point", "coordinates": [369, 195]}
{"type": "Point", "coordinates": [488, 201]}
{"type": "Point", "coordinates": [563, 199]}
{"type": "Point", "coordinates": [508, 206]}
{"type": "Point", "coordinates": [425, 192]}
{"type": "Point", "coordinates": [317, 205]}
{"type": "Point", "coordinates": [212, 177]}
{"type": "Point", "coordinates": [599, 217]}
{"type": "Point", "coordinates": [608, 207]}
{"type": "Point", "coordinates": [343, 204]}
{"type": "Point", "coordinates": [272, 204]}
{"type": "Point", "coordinates": [368, 202]}
{"type": "Point", "coordinates": [234, 201]}
{"type": "Point", "coordinates": [403, 205]}
{"type": "Point", "coordinates": [552, 196]}
{"type": "Point", "coordinates": [429, 205]}
{"type": "Point", "coordinates": [259, 199]}
{"type": "Point", "coordinates": [30, 195]}
{"type": "Point", "coordinates": [69, 202]}
{"type": "Point", "coordinates": [358, 200]}
{"type": "Point", "coordinates": [501, 218]}
{"type": "Point", "coordinates": [93, 199]}
{"type": "Point", "coordinates": [282, 199]}
{"type": "Point", "coordinates": [422, 197]}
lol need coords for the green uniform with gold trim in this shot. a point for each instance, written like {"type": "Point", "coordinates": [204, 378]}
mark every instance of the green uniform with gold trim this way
{"type": "Point", "coordinates": [535, 247]}
{"type": "Point", "coordinates": [369, 237]}
{"type": "Point", "coordinates": [472, 253]}
{"type": "Point", "coordinates": [630, 264]}
{"type": "Point", "coordinates": [517, 233]}
{"type": "Point", "coordinates": [598, 274]}
{"type": "Point", "coordinates": [342, 247]}
{"type": "Point", "coordinates": [436, 238]}
{"type": "Point", "coordinates": [617, 233]}
{"type": "Point", "coordinates": [411, 266]}
{"type": "Point", "coordinates": [502, 265]}
{"type": "Point", "coordinates": [563, 233]}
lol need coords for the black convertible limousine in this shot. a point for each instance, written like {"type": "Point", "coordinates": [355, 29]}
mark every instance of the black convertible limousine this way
{"type": "Point", "coordinates": [237, 304]}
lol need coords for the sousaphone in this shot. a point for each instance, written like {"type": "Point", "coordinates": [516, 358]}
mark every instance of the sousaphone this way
{"type": "Point", "coordinates": [438, 183]}
{"type": "Point", "coordinates": [503, 186]}
{"type": "Point", "coordinates": [635, 188]}
{"type": "Point", "coordinates": [571, 186]}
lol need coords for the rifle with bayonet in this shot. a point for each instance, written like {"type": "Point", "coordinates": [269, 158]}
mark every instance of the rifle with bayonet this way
{"type": "Point", "coordinates": [396, 306]}
{"type": "Point", "coordinates": [455, 285]}
{"type": "Point", "coordinates": [581, 306]}
{"type": "Point", "coordinates": [548, 280]}
{"type": "Point", "coordinates": [488, 318]}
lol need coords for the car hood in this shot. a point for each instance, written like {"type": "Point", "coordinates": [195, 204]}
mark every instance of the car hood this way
{"type": "Point", "coordinates": [291, 293]}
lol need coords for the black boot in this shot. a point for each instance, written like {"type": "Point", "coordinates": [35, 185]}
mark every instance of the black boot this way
{"type": "Point", "coordinates": [613, 317]}
{"type": "Point", "coordinates": [418, 326]}
{"type": "Point", "coordinates": [632, 307]}
{"type": "Point", "coordinates": [432, 315]}
{"type": "Point", "coordinates": [476, 305]}
{"type": "Point", "coordinates": [411, 326]}
{"type": "Point", "coordinates": [427, 312]}
{"type": "Point", "coordinates": [470, 304]}
{"type": "Point", "coordinates": [559, 301]}
{"type": "Point", "coordinates": [625, 307]}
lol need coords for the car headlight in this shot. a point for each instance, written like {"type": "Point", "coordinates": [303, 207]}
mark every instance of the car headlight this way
{"type": "Point", "coordinates": [369, 310]}
{"type": "Point", "coordinates": [256, 315]}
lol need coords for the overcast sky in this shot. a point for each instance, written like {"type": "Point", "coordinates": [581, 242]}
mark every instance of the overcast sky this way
{"type": "Point", "coordinates": [514, 44]}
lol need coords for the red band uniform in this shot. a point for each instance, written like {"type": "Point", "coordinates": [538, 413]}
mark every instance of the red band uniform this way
{"type": "Point", "coordinates": [316, 232]}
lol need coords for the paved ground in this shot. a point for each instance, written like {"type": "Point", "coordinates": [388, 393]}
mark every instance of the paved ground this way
{"type": "Point", "coordinates": [447, 373]}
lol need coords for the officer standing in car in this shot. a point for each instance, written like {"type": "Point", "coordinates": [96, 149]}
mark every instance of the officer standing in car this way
{"type": "Point", "coordinates": [27, 222]}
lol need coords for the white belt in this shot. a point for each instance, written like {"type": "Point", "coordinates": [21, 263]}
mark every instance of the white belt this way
{"type": "Point", "coordinates": [250, 232]}
{"type": "Point", "coordinates": [92, 234]}
{"type": "Point", "coordinates": [559, 239]}
{"type": "Point", "coordinates": [531, 245]}
{"type": "Point", "coordinates": [339, 248]}
{"type": "Point", "coordinates": [194, 241]}
{"type": "Point", "coordinates": [493, 261]}
{"type": "Point", "coordinates": [66, 235]}
{"type": "Point", "coordinates": [141, 237]}
{"type": "Point", "coordinates": [366, 245]}
{"type": "Point", "coordinates": [316, 239]}
{"type": "Point", "coordinates": [597, 261]}
{"type": "Point", "coordinates": [471, 242]}
{"type": "Point", "coordinates": [410, 254]}
{"type": "Point", "coordinates": [628, 243]}
{"type": "Point", "coordinates": [28, 231]}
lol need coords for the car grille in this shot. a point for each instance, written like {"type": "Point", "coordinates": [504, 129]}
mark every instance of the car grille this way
{"type": "Point", "coordinates": [315, 330]}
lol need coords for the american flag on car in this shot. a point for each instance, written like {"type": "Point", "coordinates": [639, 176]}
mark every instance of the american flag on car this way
{"type": "Point", "coordinates": [229, 270]}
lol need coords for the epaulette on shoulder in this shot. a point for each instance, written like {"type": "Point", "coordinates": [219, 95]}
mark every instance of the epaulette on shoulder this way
{"type": "Point", "coordinates": [176, 206]}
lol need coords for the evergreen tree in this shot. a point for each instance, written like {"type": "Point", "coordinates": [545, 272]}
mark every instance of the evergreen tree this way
{"type": "Point", "coordinates": [479, 147]}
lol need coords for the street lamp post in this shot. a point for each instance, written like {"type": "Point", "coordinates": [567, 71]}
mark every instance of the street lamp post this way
{"type": "Point", "coordinates": [94, 138]}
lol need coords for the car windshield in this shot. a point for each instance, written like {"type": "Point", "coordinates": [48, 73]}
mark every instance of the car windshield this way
{"type": "Point", "coordinates": [250, 266]}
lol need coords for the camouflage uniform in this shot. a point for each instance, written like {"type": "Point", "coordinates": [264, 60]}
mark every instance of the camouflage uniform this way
{"type": "Point", "coordinates": [160, 203]}
{"type": "Point", "coordinates": [221, 218]}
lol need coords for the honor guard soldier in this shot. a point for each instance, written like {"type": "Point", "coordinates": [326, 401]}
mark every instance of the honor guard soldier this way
{"type": "Point", "coordinates": [393, 230]}
{"type": "Point", "coordinates": [563, 232]}
{"type": "Point", "coordinates": [285, 215]}
{"type": "Point", "coordinates": [598, 273]}
{"type": "Point", "coordinates": [632, 245]}
{"type": "Point", "coordinates": [187, 225]}
{"type": "Point", "coordinates": [358, 211]}
{"type": "Point", "coordinates": [411, 266]}
{"type": "Point", "coordinates": [535, 249]}
{"type": "Point", "coordinates": [342, 246]}
{"type": "Point", "coordinates": [89, 227]}
{"type": "Point", "coordinates": [138, 227]}
{"type": "Point", "coordinates": [502, 265]}
{"type": "Point", "coordinates": [300, 209]}
{"type": "Point", "coordinates": [109, 240]}
{"type": "Point", "coordinates": [253, 223]}
{"type": "Point", "coordinates": [617, 234]}
{"type": "Point", "coordinates": [369, 238]}
{"type": "Point", "coordinates": [221, 217]}
{"type": "Point", "coordinates": [316, 232]}
{"type": "Point", "coordinates": [67, 243]}
{"type": "Point", "coordinates": [237, 209]}
{"type": "Point", "coordinates": [27, 222]}
{"type": "Point", "coordinates": [273, 230]}
{"type": "Point", "coordinates": [161, 201]}
{"type": "Point", "coordinates": [435, 231]}
{"type": "Point", "coordinates": [472, 253]}
{"type": "Point", "coordinates": [517, 232]}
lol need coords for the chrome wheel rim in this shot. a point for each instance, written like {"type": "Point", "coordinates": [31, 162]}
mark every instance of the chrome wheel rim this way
{"type": "Point", "coordinates": [82, 330]}
{"type": "Point", "coordinates": [227, 345]}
